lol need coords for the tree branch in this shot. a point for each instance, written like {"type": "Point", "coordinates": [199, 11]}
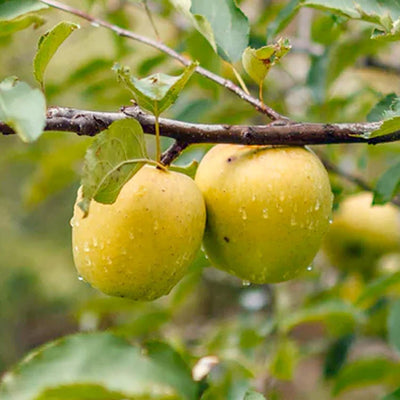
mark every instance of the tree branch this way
{"type": "Point", "coordinates": [89, 123]}
{"type": "Point", "coordinates": [257, 104]}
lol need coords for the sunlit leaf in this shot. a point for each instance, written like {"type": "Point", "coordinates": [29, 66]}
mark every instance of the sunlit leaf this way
{"type": "Point", "coordinates": [48, 45]}
{"type": "Point", "coordinates": [258, 62]}
{"type": "Point", "coordinates": [114, 157]}
{"type": "Point", "coordinates": [377, 112]}
{"type": "Point", "coordinates": [22, 108]}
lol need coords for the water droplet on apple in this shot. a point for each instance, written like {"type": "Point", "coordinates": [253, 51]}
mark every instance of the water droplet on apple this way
{"type": "Point", "coordinates": [310, 268]}
{"type": "Point", "coordinates": [131, 236]}
{"type": "Point", "coordinates": [265, 213]}
{"type": "Point", "coordinates": [86, 247]}
{"type": "Point", "coordinates": [72, 222]}
{"type": "Point", "coordinates": [243, 213]}
{"type": "Point", "coordinates": [317, 206]}
{"type": "Point", "coordinates": [80, 278]}
{"type": "Point", "coordinates": [246, 283]}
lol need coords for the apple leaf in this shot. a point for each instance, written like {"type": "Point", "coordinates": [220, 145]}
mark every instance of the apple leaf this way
{"type": "Point", "coordinates": [229, 25]}
{"type": "Point", "coordinates": [251, 395]}
{"type": "Point", "coordinates": [85, 366]}
{"type": "Point", "coordinates": [388, 185]}
{"type": "Point", "coordinates": [377, 288]}
{"type": "Point", "coordinates": [393, 396]}
{"type": "Point", "coordinates": [48, 45]}
{"type": "Point", "coordinates": [284, 360]}
{"type": "Point", "coordinates": [258, 62]}
{"type": "Point", "coordinates": [16, 15]}
{"type": "Point", "coordinates": [393, 325]}
{"type": "Point", "coordinates": [389, 108]}
{"type": "Point", "coordinates": [376, 114]}
{"type": "Point", "coordinates": [156, 92]}
{"type": "Point", "coordinates": [112, 159]}
{"type": "Point", "coordinates": [285, 15]}
{"type": "Point", "coordinates": [339, 318]}
{"type": "Point", "coordinates": [22, 108]}
{"type": "Point", "coordinates": [189, 169]}
{"type": "Point", "coordinates": [386, 14]}
{"type": "Point", "coordinates": [198, 21]}
{"type": "Point", "coordinates": [363, 372]}
{"type": "Point", "coordinates": [11, 9]}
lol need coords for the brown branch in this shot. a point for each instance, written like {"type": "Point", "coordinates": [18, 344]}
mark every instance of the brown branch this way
{"type": "Point", "coordinates": [89, 123]}
{"type": "Point", "coordinates": [257, 104]}
{"type": "Point", "coordinates": [173, 152]}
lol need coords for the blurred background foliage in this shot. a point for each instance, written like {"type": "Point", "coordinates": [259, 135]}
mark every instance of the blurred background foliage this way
{"type": "Point", "coordinates": [323, 335]}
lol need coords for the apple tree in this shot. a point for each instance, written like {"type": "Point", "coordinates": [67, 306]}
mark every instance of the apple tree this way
{"type": "Point", "coordinates": [230, 173]}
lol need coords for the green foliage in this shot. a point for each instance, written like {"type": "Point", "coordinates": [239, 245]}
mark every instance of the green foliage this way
{"type": "Point", "coordinates": [258, 62]}
{"type": "Point", "coordinates": [388, 185]}
{"type": "Point", "coordinates": [263, 338]}
{"type": "Point", "coordinates": [22, 108]}
{"type": "Point", "coordinates": [394, 325]}
{"type": "Point", "coordinates": [114, 157]}
{"type": "Point", "coordinates": [103, 362]}
{"type": "Point", "coordinates": [157, 92]}
{"type": "Point", "coordinates": [368, 371]}
{"type": "Point", "coordinates": [48, 45]}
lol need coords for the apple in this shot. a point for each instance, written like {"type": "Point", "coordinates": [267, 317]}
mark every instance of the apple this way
{"type": "Point", "coordinates": [268, 209]}
{"type": "Point", "coordinates": [141, 245]}
{"type": "Point", "coordinates": [361, 233]}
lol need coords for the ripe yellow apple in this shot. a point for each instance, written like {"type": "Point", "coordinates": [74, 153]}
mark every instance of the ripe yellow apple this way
{"type": "Point", "coordinates": [361, 233]}
{"type": "Point", "coordinates": [141, 245]}
{"type": "Point", "coordinates": [268, 209]}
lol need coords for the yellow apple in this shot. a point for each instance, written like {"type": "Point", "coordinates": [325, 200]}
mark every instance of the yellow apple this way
{"type": "Point", "coordinates": [268, 209]}
{"type": "Point", "coordinates": [141, 245]}
{"type": "Point", "coordinates": [361, 233]}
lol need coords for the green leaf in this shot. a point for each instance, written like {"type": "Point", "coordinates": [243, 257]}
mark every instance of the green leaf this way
{"type": "Point", "coordinates": [285, 360]}
{"type": "Point", "coordinates": [393, 396]}
{"type": "Point", "coordinates": [100, 362]}
{"type": "Point", "coordinates": [378, 287]}
{"type": "Point", "coordinates": [377, 112]}
{"type": "Point", "coordinates": [198, 21]}
{"type": "Point", "coordinates": [230, 27]}
{"type": "Point", "coordinates": [285, 15]}
{"type": "Point", "coordinates": [83, 392]}
{"type": "Point", "coordinates": [337, 355]}
{"type": "Point", "coordinates": [22, 108]}
{"type": "Point", "coordinates": [16, 15]}
{"type": "Point", "coordinates": [114, 157]}
{"type": "Point", "coordinates": [189, 169]}
{"type": "Point", "coordinates": [388, 185]}
{"type": "Point", "coordinates": [175, 370]}
{"type": "Point", "coordinates": [258, 62]}
{"type": "Point", "coordinates": [48, 45]}
{"type": "Point", "coordinates": [375, 11]}
{"type": "Point", "coordinates": [339, 318]}
{"type": "Point", "coordinates": [390, 125]}
{"type": "Point", "coordinates": [24, 21]}
{"type": "Point", "coordinates": [10, 9]}
{"type": "Point", "coordinates": [251, 395]}
{"type": "Point", "coordinates": [393, 324]}
{"type": "Point", "coordinates": [156, 92]}
{"type": "Point", "coordinates": [367, 372]}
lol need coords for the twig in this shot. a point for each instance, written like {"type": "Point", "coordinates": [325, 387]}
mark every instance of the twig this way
{"type": "Point", "coordinates": [89, 123]}
{"type": "Point", "coordinates": [173, 152]}
{"type": "Point", "coordinates": [272, 114]}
